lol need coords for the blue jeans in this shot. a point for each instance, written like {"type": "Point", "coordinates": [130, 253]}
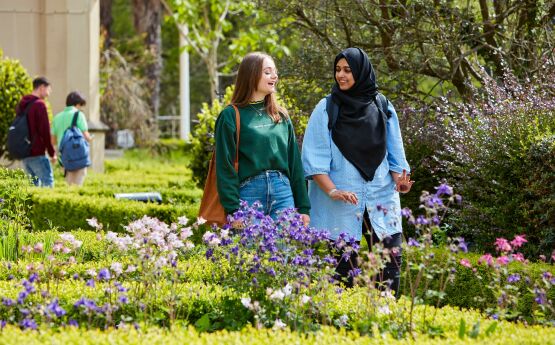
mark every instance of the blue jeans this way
{"type": "Point", "coordinates": [271, 188]}
{"type": "Point", "coordinates": [38, 167]}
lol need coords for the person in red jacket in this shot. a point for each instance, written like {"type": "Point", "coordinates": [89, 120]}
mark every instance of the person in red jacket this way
{"type": "Point", "coordinates": [37, 165]}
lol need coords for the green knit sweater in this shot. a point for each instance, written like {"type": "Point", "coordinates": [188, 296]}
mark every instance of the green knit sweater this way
{"type": "Point", "coordinates": [263, 145]}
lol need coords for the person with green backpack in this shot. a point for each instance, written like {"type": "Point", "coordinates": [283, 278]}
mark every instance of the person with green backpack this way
{"type": "Point", "coordinates": [72, 116]}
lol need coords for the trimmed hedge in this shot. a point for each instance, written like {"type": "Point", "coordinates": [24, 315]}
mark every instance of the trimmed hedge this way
{"type": "Point", "coordinates": [505, 334]}
{"type": "Point", "coordinates": [67, 211]}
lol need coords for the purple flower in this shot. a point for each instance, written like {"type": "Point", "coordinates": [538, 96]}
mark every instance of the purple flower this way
{"type": "Point", "coordinates": [434, 200]}
{"type": "Point", "coordinates": [28, 324]}
{"type": "Point", "coordinates": [104, 274]}
{"type": "Point", "coordinates": [422, 220]}
{"type": "Point", "coordinates": [513, 278]}
{"type": "Point", "coordinates": [444, 189]}
{"type": "Point", "coordinates": [462, 245]}
{"type": "Point", "coordinates": [123, 299]}
{"type": "Point", "coordinates": [413, 243]}
{"type": "Point", "coordinates": [76, 276]}
{"type": "Point", "coordinates": [209, 253]}
{"type": "Point", "coordinates": [22, 296]}
{"type": "Point", "coordinates": [54, 308]}
{"type": "Point", "coordinates": [73, 323]}
{"type": "Point", "coordinates": [406, 212]}
{"type": "Point", "coordinates": [8, 302]}
{"type": "Point", "coordinates": [355, 272]}
{"type": "Point", "coordinates": [90, 283]}
{"type": "Point", "coordinates": [33, 277]}
{"type": "Point", "coordinates": [2, 324]}
{"type": "Point", "coordinates": [540, 296]}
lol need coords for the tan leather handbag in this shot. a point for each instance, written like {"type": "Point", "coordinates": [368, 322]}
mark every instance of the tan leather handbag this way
{"type": "Point", "coordinates": [210, 207]}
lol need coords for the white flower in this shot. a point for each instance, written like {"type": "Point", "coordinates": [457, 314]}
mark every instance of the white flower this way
{"type": "Point", "coordinates": [111, 236]}
{"type": "Point", "coordinates": [384, 309]}
{"type": "Point", "coordinates": [117, 268]}
{"type": "Point", "coordinates": [343, 319]}
{"type": "Point", "coordinates": [305, 299]}
{"type": "Point", "coordinates": [186, 233]}
{"type": "Point", "coordinates": [67, 237]}
{"type": "Point", "coordinates": [91, 272]}
{"type": "Point", "coordinates": [94, 223]}
{"type": "Point", "coordinates": [278, 324]}
{"type": "Point", "coordinates": [287, 290]}
{"type": "Point", "coordinates": [183, 220]}
{"type": "Point", "coordinates": [161, 262]}
{"type": "Point", "coordinates": [387, 294]}
{"type": "Point", "coordinates": [201, 220]}
{"type": "Point", "coordinates": [131, 269]}
{"type": "Point", "coordinates": [246, 301]}
{"type": "Point", "coordinates": [224, 233]}
{"type": "Point", "coordinates": [277, 295]}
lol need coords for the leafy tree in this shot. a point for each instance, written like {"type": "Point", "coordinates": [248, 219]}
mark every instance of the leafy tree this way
{"type": "Point", "coordinates": [426, 43]}
{"type": "Point", "coordinates": [14, 84]}
{"type": "Point", "coordinates": [221, 32]}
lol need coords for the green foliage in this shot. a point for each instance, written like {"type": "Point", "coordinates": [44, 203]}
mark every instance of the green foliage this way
{"type": "Point", "coordinates": [68, 211]}
{"type": "Point", "coordinates": [508, 182]}
{"type": "Point", "coordinates": [14, 84]}
{"type": "Point", "coordinates": [14, 211]}
{"type": "Point", "coordinates": [202, 138]}
{"type": "Point", "coordinates": [468, 289]}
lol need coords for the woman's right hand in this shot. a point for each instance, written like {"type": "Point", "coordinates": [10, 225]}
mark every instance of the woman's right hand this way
{"type": "Point", "coordinates": [345, 196]}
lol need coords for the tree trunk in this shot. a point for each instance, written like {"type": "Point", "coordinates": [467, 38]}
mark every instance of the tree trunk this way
{"type": "Point", "coordinates": [148, 18]}
{"type": "Point", "coordinates": [106, 22]}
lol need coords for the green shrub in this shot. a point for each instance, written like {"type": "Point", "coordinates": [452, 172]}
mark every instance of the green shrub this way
{"type": "Point", "coordinates": [469, 290]}
{"type": "Point", "coordinates": [14, 84]}
{"type": "Point", "coordinates": [68, 211]}
{"type": "Point", "coordinates": [202, 138]}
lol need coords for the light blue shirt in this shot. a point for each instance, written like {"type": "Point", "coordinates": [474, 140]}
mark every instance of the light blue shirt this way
{"type": "Point", "coordinates": [320, 155]}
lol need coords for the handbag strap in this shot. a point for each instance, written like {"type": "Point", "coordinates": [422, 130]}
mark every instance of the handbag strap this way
{"type": "Point", "coordinates": [238, 125]}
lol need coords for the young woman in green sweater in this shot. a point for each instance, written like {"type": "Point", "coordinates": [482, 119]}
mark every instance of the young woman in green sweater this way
{"type": "Point", "coordinates": [270, 167]}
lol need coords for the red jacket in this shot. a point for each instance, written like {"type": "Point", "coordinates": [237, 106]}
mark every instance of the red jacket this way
{"type": "Point", "coordinates": [39, 127]}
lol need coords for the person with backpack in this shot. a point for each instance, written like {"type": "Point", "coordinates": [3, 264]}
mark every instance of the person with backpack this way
{"type": "Point", "coordinates": [29, 143]}
{"type": "Point", "coordinates": [70, 134]}
{"type": "Point", "coordinates": [355, 163]}
{"type": "Point", "coordinates": [269, 162]}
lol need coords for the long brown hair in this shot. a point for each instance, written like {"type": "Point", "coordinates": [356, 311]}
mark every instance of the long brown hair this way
{"type": "Point", "coordinates": [248, 76]}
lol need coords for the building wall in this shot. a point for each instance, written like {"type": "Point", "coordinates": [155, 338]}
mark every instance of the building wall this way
{"type": "Point", "coordinates": [59, 39]}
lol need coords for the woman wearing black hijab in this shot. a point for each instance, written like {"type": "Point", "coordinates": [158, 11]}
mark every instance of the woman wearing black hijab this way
{"type": "Point", "coordinates": [355, 162]}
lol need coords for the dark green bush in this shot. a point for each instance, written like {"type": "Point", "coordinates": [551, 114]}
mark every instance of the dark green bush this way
{"type": "Point", "coordinates": [202, 138]}
{"type": "Point", "coordinates": [498, 154]}
{"type": "Point", "coordinates": [14, 83]}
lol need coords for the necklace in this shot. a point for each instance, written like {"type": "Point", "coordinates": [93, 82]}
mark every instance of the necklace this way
{"type": "Point", "coordinates": [257, 110]}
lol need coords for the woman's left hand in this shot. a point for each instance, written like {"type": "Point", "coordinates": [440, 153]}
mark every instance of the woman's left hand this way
{"type": "Point", "coordinates": [403, 183]}
{"type": "Point", "coordinates": [306, 219]}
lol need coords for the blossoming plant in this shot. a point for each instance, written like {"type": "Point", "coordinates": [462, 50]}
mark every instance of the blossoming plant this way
{"type": "Point", "coordinates": [277, 267]}
{"type": "Point", "coordinates": [505, 285]}
{"type": "Point", "coordinates": [426, 279]}
{"type": "Point", "coordinates": [152, 248]}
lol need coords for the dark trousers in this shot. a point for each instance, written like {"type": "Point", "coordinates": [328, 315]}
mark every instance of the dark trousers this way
{"type": "Point", "coordinates": [390, 275]}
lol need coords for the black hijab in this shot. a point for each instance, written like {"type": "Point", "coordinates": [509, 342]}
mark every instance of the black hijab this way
{"type": "Point", "coordinates": [359, 132]}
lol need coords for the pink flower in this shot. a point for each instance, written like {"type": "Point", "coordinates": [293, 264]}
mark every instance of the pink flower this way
{"type": "Point", "coordinates": [502, 245]}
{"type": "Point", "coordinates": [503, 260]}
{"type": "Point", "coordinates": [519, 257]}
{"type": "Point", "coordinates": [465, 263]}
{"type": "Point", "coordinates": [487, 259]}
{"type": "Point", "coordinates": [553, 256]}
{"type": "Point", "coordinates": [518, 241]}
